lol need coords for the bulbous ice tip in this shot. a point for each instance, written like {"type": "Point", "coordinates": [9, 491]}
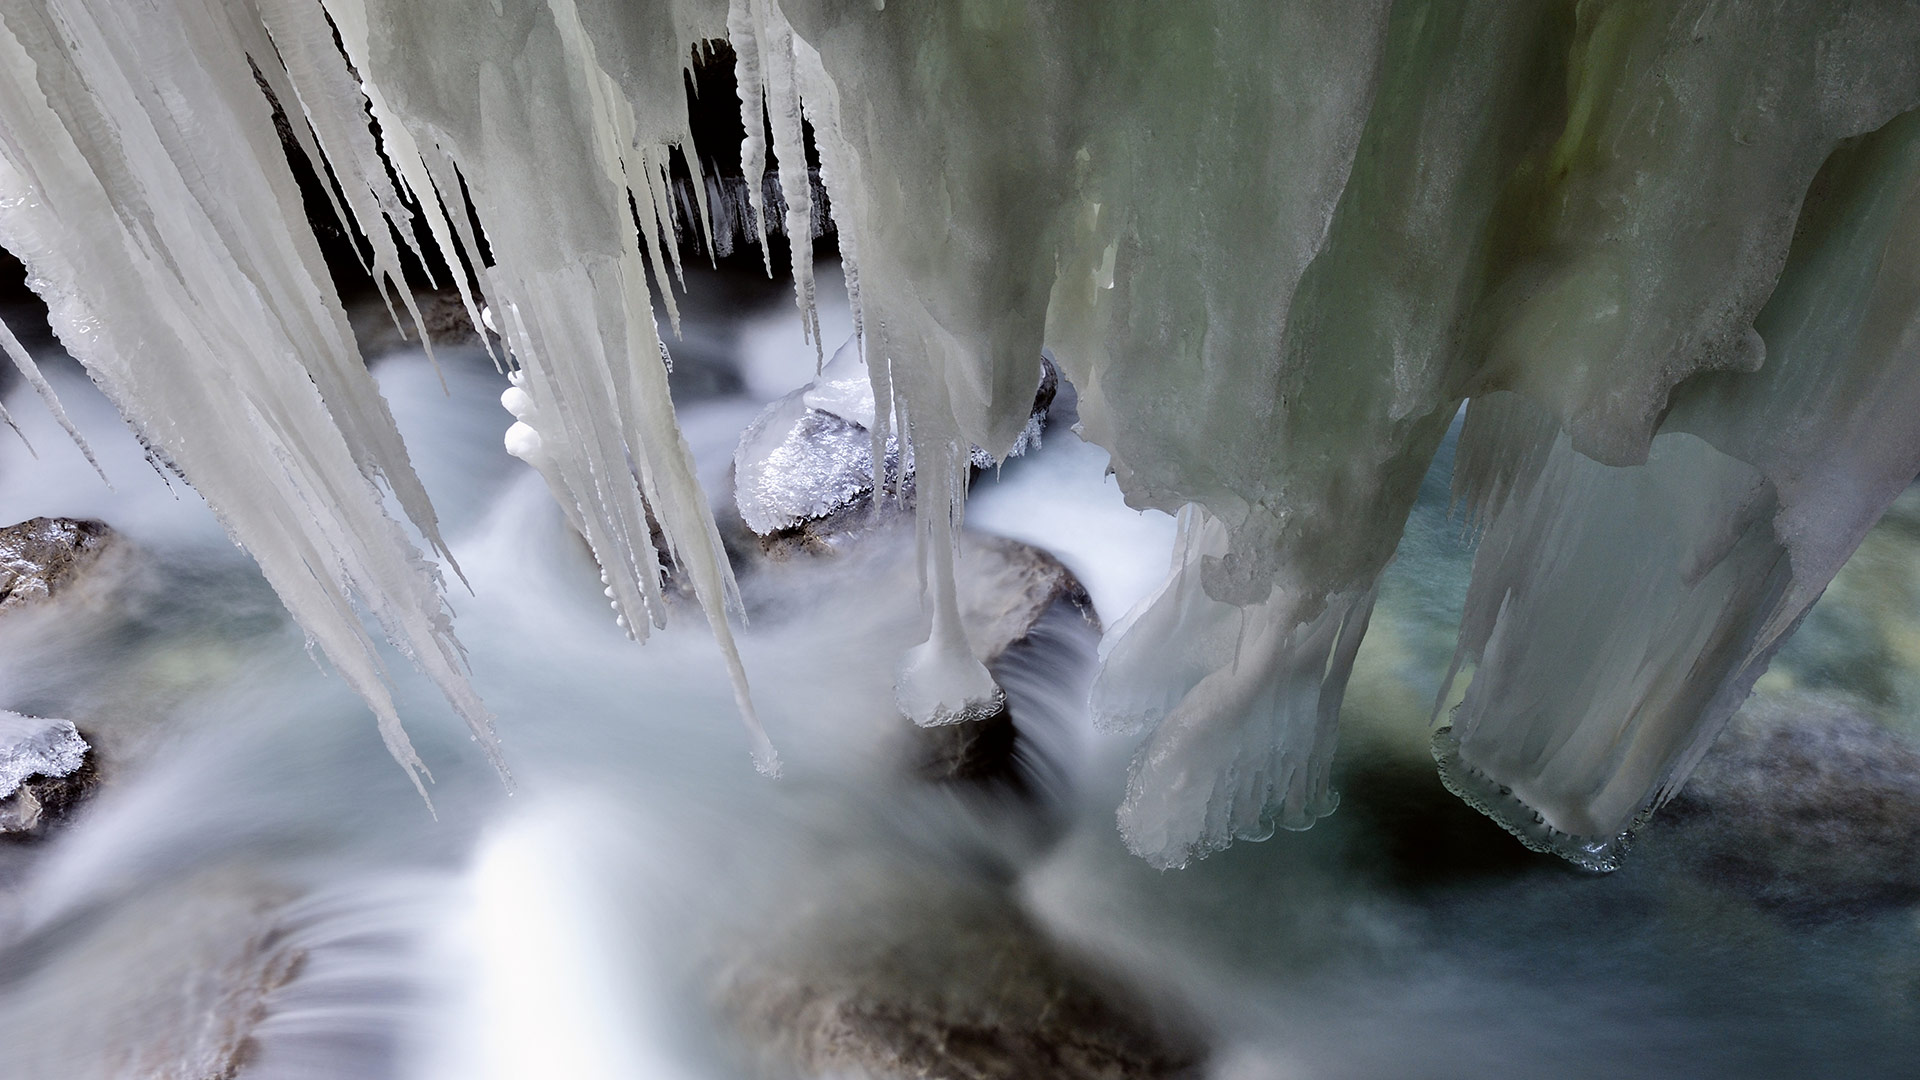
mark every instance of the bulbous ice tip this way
{"type": "Point", "coordinates": [517, 401]}
{"type": "Point", "coordinates": [940, 684]}
{"type": "Point", "coordinates": [522, 441]}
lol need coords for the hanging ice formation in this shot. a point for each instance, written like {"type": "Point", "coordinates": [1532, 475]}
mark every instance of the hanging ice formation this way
{"type": "Point", "coordinates": [1664, 248]}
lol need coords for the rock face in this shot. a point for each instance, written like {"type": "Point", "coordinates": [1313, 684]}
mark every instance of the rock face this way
{"type": "Point", "coordinates": [42, 556]}
{"type": "Point", "coordinates": [441, 311]}
{"type": "Point", "coordinates": [1808, 807]}
{"type": "Point", "coordinates": [44, 769]}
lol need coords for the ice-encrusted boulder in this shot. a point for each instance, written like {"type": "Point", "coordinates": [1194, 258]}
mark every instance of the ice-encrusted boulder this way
{"type": "Point", "coordinates": [41, 556]}
{"type": "Point", "coordinates": [43, 768]}
{"type": "Point", "coordinates": [804, 467]}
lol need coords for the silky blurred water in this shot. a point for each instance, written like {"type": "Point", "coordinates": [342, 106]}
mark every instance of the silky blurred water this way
{"type": "Point", "coordinates": [579, 927]}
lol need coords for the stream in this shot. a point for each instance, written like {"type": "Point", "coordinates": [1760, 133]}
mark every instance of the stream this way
{"type": "Point", "coordinates": [256, 889]}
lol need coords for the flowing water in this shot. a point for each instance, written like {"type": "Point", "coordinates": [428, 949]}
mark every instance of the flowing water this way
{"type": "Point", "coordinates": [254, 861]}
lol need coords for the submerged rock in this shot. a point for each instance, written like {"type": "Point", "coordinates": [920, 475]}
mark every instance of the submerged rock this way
{"type": "Point", "coordinates": [1806, 806]}
{"type": "Point", "coordinates": [42, 556]}
{"type": "Point", "coordinates": [171, 988]}
{"type": "Point", "coordinates": [965, 987]}
{"type": "Point", "coordinates": [44, 769]}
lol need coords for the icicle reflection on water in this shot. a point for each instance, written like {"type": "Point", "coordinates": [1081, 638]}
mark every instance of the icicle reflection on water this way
{"type": "Point", "coordinates": [251, 829]}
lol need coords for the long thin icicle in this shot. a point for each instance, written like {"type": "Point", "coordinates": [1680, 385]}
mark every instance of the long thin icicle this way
{"type": "Point", "coordinates": [31, 372]}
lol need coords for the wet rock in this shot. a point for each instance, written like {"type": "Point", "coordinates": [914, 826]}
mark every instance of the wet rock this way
{"type": "Point", "coordinates": [1806, 806]}
{"type": "Point", "coordinates": [44, 769]}
{"type": "Point", "coordinates": [1005, 588]}
{"type": "Point", "coordinates": [42, 800]}
{"type": "Point", "coordinates": [964, 988]}
{"type": "Point", "coordinates": [972, 750]}
{"type": "Point", "coordinates": [41, 557]}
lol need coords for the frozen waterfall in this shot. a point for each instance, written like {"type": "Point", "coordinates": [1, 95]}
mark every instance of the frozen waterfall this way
{"type": "Point", "coordinates": [1664, 249]}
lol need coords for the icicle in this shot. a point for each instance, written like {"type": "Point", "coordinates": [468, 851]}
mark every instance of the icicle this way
{"type": "Point", "coordinates": [789, 147]}
{"type": "Point", "coordinates": [820, 103]}
{"type": "Point", "coordinates": [743, 30]}
{"type": "Point", "coordinates": [31, 372]}
{"type": "Point", "coordinates": [333, 105]}
{"type": "Point", "coordinates": [247, 379]}
{"type": "Point", "coordinates": [941, 681]}
{"type": "Point", "coordinates": [402, 152]}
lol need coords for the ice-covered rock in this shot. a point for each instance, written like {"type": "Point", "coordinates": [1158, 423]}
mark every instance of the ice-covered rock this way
{"type": "Point", "coordinates": [806, 462]}
{"type": "Point", "coordinates": [42, 765]}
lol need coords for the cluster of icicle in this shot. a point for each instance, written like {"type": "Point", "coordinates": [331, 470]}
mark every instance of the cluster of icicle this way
{"type": "Point", "coordinates": [1665, 247]}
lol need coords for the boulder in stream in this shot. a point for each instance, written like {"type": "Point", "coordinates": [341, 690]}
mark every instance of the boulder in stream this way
{"type": "Point", "coordinates": [962, 987]}
{"type": "Point", "coordinates": [41, 557]}
{"type": "Point", "coordinates": [1807, 806]}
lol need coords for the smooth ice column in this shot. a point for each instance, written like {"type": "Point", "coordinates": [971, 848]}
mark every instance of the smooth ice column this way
{"type": "Point", "coordinates": [941, 681]}
{"type": "Point", "coordinates": [1608, 607]}
{"type": "Point", "coordinates": [1618, 616]}
{"type": "Point", "coordinates": [1243, 704]}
